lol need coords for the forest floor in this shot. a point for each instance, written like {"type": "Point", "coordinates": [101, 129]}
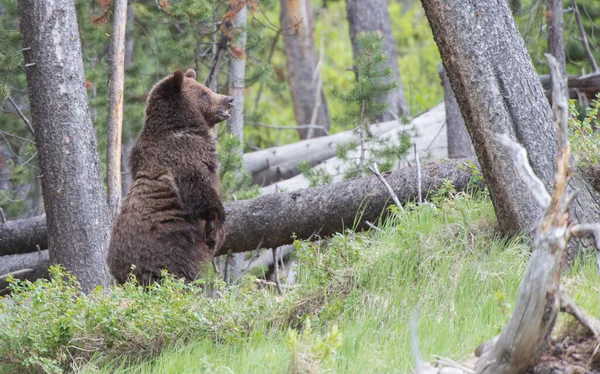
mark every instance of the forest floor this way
{"type": "Point", "coordinates": [350, 310]}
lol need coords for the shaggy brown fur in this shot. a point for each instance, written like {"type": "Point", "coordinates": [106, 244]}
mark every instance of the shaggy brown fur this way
{"type": "Point", "coordinates": [173, 216]}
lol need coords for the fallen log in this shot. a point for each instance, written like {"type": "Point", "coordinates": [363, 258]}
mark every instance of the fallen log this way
{"type": "Point", "coordinates": [275, 218]}
{"type": "Point", "coordinates": [23, 235]}
{"type": "Point", "coordinates": [588, 86]}
{"type": "Point", "coordinates": [325, 210]}
{"type": "Point", "coordinates": [430, 140]}
{"type": "Point", "coordinates": [29, 266]}
{"type": "Point", "coordinates": [261, 160]}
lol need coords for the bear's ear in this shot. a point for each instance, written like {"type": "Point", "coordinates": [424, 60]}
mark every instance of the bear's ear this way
{"type": "Point", "coordinates": [190, 73]}
{"type": "Point", "coordinates": [177, 81]}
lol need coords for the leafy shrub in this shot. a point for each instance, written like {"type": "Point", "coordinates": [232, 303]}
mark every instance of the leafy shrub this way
{"type": "Point", "coordinates": [49, 326]}
{"type": "Point", "coordinates": [585, 140]}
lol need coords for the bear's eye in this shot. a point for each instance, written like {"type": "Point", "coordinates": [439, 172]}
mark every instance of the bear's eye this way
{"type": "Point", "coordinates": [205, 96]}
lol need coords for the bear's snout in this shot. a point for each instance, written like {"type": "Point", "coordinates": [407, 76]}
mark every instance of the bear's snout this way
{"type": "Point", "coordinates": [229, 101]}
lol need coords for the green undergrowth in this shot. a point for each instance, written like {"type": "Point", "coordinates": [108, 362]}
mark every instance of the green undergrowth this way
{"type": "Point", "coordinates": [349, 310]}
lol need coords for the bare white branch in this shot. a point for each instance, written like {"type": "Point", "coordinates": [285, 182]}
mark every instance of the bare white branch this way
{"type": "Point", "coordinates": [541, 196]}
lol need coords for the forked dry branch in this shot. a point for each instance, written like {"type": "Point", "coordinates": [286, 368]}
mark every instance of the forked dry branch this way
{"type": "Point", "coordinates": [522, 342]}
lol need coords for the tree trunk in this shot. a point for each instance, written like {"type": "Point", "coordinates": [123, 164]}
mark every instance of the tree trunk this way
{"type": "Point", "coordinates": [297, 32]}
{"type": "Point", "coordinates": [77, 214]}
{"type": "Point", "coordinates": [115, 106]}
{"type": "Point", "coordinates": [374, 16]}
{"type": "Point", "coordinates": [498, 91]}
{"type": "Point", "coordinates": [237, 74]}
{"type": "Point", "coordinates": [126, 148]}
{"type": "Point", "coordinates": [459, 140]}
{"type": "Point", "coordinates": [129, 40]}
{"type": "Point", "coordinates": [556, 40]}
{"type": "Point", "coordinates": [276, 217]}
{"type": "Point", "coordinates": [30, 266]}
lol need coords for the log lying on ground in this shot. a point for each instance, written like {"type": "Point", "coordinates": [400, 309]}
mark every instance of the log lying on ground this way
{"type": "Point", "coordinates": [430, 139]}
{"type": "Point", "coordinates": [258, 161]}
{"type": "Point", "coordinates": [332, 208]}
{"type": "Point", "coordinates": [23, 235]}
{"type": "Point", "coordinates": [281, 163]}
{"type": "Point", "coordinates": [587, 86]}
{"type": "Point", "coordinates": [325, 209]}
{"type": "Point", "coordinates": [30, 266]}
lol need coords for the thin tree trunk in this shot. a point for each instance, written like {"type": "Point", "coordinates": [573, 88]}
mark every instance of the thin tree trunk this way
{"type": "Point", "coordinates": [115, 112]}
{"type": "Point", "coordinates": [459, 140]}
{"type": "Point", "coordinates": [276, 217]}
{"type": "Point", "coordinates": [126, 148]}
{"type": "Point", "coordinates": [374, 16]}
{"type": "Point", "coordinates": [129, 40]}
{"type": "Point", "coordinates": [77, 214]}
{"type": "Point", "coordinates": [556, 40]}
{"type": "Point", "coordinates": [237, 74]}
{"type": "Point", "coordinates": [498, 91]}
{"type": "Point", "coordinates": [301, 61]}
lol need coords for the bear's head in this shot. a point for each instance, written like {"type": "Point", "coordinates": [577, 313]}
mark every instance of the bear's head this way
{"type": "Point", "coordinates": [179, 101]}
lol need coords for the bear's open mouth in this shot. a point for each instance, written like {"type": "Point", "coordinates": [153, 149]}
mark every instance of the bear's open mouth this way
{"type": "Point", "coordinates": [223, 114]}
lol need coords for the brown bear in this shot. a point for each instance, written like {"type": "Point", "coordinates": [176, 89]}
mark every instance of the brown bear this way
{"type": "Point", "coordinates": [173, 217]}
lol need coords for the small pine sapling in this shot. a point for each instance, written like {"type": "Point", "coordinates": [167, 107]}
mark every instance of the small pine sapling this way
{"type": "Point", "coordinates": [373, 81]}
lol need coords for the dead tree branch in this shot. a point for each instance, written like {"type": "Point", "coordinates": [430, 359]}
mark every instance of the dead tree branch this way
{"type": "Point", "coordinates": [375, 170]}
{"type": "Point", "coordinates": [23, 117]}
{"type": "Point", "coordinates": [584, 40]}
{"type": "Point", "coordinates": [520, 344]}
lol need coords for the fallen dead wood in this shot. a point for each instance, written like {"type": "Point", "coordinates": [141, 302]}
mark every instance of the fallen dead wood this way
{"type": "Point", "coordinates": [23, 235]}
{"type": "Point", "coordinates": [324, 146]}
{"type": "Point", "coordinates": [526, 344]}
{"type": "Point", "coordinates": [430, 140]}
{"type": "Point", "coordinates": [277, 217]}
{"type": "Point", "coordinates": [30, 266]}
{"type": "Point", "coordinates": [587, 86]}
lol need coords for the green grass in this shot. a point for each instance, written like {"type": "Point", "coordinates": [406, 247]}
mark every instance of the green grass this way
{"type": "Point", "coordinates": [449, 262]}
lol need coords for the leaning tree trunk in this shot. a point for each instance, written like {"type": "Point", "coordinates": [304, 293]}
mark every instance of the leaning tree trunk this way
{"type": "Point", "coordinates": [77, 213]}
{"type": "Point", "coordinates": [297, 32]}
{"type": "Point", "coordinates": [374, 16]}
{"type": "Point", "coordinates": [498, 91]}
{"type": "Point", "coordinates": [459, 140]}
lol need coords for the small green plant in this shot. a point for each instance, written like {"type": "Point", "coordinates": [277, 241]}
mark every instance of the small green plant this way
{"type": "Point", "coordinates": [585, 139]}
{"type": "Point", "coordinates": [49, 326]}
{"type": "Point", "coordinates": [236, 182]}
{"type": "Point", "coordinates": [311, 352]}
{"type": "Point", "coordinates": [365, 102]}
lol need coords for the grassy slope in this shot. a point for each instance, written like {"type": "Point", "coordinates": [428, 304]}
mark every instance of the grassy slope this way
{"type": "Point", "coordinates": [449, 262]}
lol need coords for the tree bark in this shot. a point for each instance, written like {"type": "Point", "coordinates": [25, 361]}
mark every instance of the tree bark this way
{"type": "Point", "coordinates": [301, 61]}
{"type": "Point", "coordinates": [77, 214]}
{"type": "Point", "coordinates": [129, 40]}
{"type": "Point", "coordinates": [374, 16]}
{"type": "Point", "coordinates": [237, 74]}
{"type": "Point", "coordinates": [498, 91]}
{"type": "Point", "coordinates": [459, 140]}
{"type": "Point", "coordinates": [36, 264]}
{"type": "Point", "coordinates": [115, 107]}
{"type": "Point", "coordinates": [556, 40]}
{"type": "Point", "coordinates": [326, 209]}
